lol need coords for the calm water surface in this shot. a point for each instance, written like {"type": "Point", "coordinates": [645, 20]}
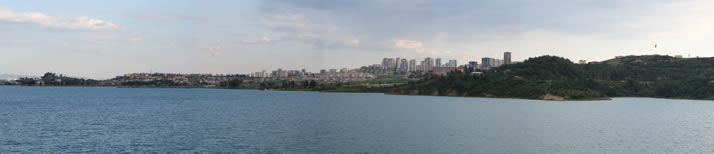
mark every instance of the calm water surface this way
{"type": "Point", "coordinates": [85, 119]}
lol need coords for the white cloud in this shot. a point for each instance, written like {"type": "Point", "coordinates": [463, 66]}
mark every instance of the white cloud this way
{"type": "Point", "coordinates": [72, 23]}
{"type": "Point", "coordinates": [690, 20]}
{"type": "Point", "coordinates": [409, 44]}
{"type": "Point", "coordinates": [351, 42]}
{"type": "Point", "coordinates": [217, 50]}
{"type": "Point", "coordinates": [418, 47]}
{"type": "Point", "coordinates": [678, 27]}
{"type": "Point", "coordinates": [291, 18]}
{"type": "Point", "coordinates": [154, 16]}
{"type": "Point", "coordinates": [355, 41]}
{"type": "Point", "coordinates": [299, 27]}
{"type": "Point", "coordinates": [263, 39]}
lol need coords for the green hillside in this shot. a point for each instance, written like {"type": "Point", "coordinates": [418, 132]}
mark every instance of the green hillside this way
{"type": "Point", "coordinates": [556, 78]}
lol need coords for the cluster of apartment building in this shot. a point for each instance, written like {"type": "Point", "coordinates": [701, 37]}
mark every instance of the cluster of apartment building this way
{"type": "Point", "coordinates": [329, 75]}
{"type": "Point", "coordinates": [431, 65]}
{"type": "Point", "coordinates": [388, 67]}
{"type": "Point", "coordinates": [403, 65]}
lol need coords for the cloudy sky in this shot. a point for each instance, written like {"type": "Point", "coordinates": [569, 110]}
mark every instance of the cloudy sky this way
{"type": "Point", "coordinates": [102, 39]}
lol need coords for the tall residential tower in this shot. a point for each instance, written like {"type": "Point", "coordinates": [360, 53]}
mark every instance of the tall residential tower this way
{"type": "Point", "coordinates": [438, 62]}
{"type": "Point", "coordinates": [412, 65]}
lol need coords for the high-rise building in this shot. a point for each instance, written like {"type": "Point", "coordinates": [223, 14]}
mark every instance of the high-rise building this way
{"type": "Point", "coordinates": [438, 62]}
{"type": "Point", "coordinates": [428, 64]}
{"type": "Point", "coordinates": [497, 63]}
{"type": "Point", "coordinates": [385, 63]}
{"type": "Point", "coordinates": [473, 64]}
{"type": "Point", "coordinates": [412, 65]}
{"type": "Point", "coordinates": [398, 63]}
{"type": "Point", "coordinates": [389, 63]}
{"type": "Point", "coordinates": [280, 73]}
{"type": "Point", "coordinates": [452, 63]}
{"type": "Point", "coordinates": [405, 65]}
{"type": "Point", "coordinates": [486, 62]}
{"type": "Point", "coordinates": [507, 57]}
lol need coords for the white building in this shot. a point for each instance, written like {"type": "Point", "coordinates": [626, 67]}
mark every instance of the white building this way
{"type": "Point", "coordinates": [452, 63]}
{"type": "Point", "coordinates": [428, 64]}
{"type": "Point", "coordinates": [412, 65]}
{"type": "Point", "coordinates": [404, 66]}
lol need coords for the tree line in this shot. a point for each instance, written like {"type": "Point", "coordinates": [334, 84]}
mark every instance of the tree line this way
{"type": "Point", "coordinates": [633, 76]}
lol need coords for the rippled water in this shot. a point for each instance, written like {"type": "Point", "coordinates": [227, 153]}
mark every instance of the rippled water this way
{"type": "Point", "coordinates": [85, 119]}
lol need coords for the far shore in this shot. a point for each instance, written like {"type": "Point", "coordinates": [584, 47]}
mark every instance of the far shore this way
{"type": "Point", "coordinates": [386, 93]}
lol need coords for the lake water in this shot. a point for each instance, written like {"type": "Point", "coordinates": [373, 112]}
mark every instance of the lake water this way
{"type": "Point", "coordinates": [90, 119]}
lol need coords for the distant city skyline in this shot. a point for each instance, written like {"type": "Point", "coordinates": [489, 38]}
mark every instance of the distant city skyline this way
{"type": "Point", "coordinates": [102, 39]}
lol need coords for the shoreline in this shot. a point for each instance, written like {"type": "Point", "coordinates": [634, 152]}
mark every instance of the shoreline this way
{"type": "Point", "coordinates": [366, 92]}
{"type": "Point", "coordinates": [564, 100]}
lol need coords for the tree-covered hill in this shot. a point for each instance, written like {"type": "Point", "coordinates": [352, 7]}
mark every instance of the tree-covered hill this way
{"type": "Point", "coordinates": [551, 77]}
